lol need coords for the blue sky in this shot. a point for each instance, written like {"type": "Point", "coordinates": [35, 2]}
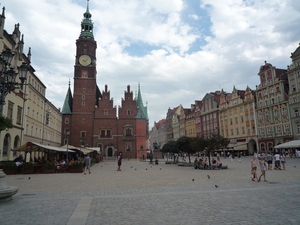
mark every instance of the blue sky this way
{"type": "Point", "coordinates": [178, 50]}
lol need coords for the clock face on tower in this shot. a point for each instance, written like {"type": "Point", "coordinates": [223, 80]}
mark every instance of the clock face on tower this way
{"type": "Point", "coordinates": [85, 60]}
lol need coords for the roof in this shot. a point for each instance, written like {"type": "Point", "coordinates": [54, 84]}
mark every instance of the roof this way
{"type": "Point", "coordinates": [160, 123]}
{"type": "Point", "coordinates": [296, 52]}
{"type": "Point", "coordinates": [142, 110]}
{"type": "Point", "coordinates": [67, 107]}
{"type": "Point", "coordinates": [87, 24]}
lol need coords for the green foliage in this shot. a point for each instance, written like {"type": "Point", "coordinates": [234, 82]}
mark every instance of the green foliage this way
{"type": "Point", "coordinates": [27, 166]}
{"type": "Point", "coordinates": [170, 147]}
{"type": "Point", "coordinates": [201, 144]}
{"type": "Point", "coordinates": [10, 166]}
{"type": "Point", "coordinates": [76, 165]}
{"type": "Point", "coordinates": [93, 161]}
{"type": "Point", "coordinates": [185, 144]}
{"type": "Point", "coordinates": [49, 165]}
{"type": "Point", "coordinates": [5, 122]}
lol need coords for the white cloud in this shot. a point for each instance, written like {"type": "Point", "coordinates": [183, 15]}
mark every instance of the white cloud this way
{"type": "Point", "coordinates": [243, 35]}
{"type": "Point", "coordinates": [194, 16]}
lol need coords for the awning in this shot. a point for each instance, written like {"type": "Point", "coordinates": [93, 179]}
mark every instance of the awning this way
{"type": "Point", "coordinates": [84, 150]}
{"type": "Point", "coordinates": [36, 147]}
{"type": "Point", "coordinates": [94, 149]}
{"type": "Point", "coordinates": [290, 144]}
{"type": "Point", "coordinates": [238, 146]}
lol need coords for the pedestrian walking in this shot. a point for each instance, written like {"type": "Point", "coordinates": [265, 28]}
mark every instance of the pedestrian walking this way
{"type": "Point", "coordinates": [87, 164]}
{"type": "Point", "coordinates": [269, 159]}
{"type": "Point", "coordinates": [263, 168]}
{"type": "Point", "coordinates": [282, 160]}
{"type": "Point", "coordinates": [277, 161]}
{"type": "Point", "coordinates": [231, 158]}
{"type": "Point", "coordinates": [119, 161]}
{"type": "Point", "coordinates": [253, 169]}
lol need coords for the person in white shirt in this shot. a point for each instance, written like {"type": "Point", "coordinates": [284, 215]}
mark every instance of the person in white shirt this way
{"type": "Point", "coordinates": [277, 161]}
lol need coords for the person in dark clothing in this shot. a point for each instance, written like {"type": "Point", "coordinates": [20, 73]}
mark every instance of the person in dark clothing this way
{"type": "Point", "coordinates": [119, 161]}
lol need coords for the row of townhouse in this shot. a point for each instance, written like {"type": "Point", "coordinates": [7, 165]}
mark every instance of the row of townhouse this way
{"type": "Point", "coordinates": [253, 120]}
{"type": "Point", "coordinates": [34, 118]}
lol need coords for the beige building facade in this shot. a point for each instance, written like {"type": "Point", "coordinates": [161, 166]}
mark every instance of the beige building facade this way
{"type": "Point", "coordinates": [237, 120]}
{"type": "Point", "coordinates": [26, 106]}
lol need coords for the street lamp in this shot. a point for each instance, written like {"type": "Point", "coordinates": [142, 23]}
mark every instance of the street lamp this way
{"type": "Point", "coordinates": [8, 76]}
{"type": "Point", "coordinates": [80, 147]}
{"type": "Point", "coordinates": [7, 84]}
{"type": "Point", "coordinates": [68, 133]}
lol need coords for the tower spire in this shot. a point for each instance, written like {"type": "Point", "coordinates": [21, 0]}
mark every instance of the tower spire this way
{"type": "Point", "coordinates": [87, 24]}
{"type": "Point", "coordinates": [142, 112]}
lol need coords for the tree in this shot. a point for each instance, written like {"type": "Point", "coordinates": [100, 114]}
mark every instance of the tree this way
{"type": "Point", "coordinates": [215, 141]}
{"type": "Point", "coordinates": [186, 144]}
{"type": "Point", "coordinates": [169, 147]}
{"type": "Point", "coordinates": [5, 123]}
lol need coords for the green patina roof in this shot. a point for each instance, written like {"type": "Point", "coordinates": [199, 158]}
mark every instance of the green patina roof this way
{"type": "Point", "coordinates": [67, 107]}
{"type": "Point", "coordinates": [87, 24]}
{"type": "Point", "coordinates": [142, 112]}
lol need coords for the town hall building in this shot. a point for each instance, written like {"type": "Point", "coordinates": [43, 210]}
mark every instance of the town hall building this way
{"type": "Point", "coordinates": [90, 118]}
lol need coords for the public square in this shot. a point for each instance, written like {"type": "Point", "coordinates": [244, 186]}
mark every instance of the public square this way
{"type": "Point", "coordinates": [155, 194]}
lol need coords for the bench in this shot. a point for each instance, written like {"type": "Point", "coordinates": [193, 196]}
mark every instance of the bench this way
{"type": "Point", "coordinates": [210, 168]}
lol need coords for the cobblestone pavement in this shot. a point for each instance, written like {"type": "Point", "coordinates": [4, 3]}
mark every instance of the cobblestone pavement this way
{"type": "Point", "coordinates": [155, 194]}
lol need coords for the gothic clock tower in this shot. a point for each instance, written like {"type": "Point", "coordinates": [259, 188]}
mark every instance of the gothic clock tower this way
{"type": "Point", "coordinates": [86, 91]}
{"type": "Point", "coordinates": [90, 118]}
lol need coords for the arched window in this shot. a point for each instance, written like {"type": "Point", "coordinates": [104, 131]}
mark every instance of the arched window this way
{"type": "Point", "coordinates": [6, 144]}
{"type": "Point", "coordinates": [128, 132]}
{"type": "Point", "coordinates": [270, 147]}
{"type": "Point", "coordinates": [262, 147]}
{"type": "Point", "coordinates": [128, 112]}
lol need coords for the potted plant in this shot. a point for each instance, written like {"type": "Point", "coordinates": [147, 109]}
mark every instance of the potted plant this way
{"type": "Point", "coordinates": [94, 161]}
{"type": "Point", "coordinates": [76, 167]}
{"type": "Point", "coordinates": [5, 123]}
{"type": "Point", "coordinates": [49, 167]}
{"type": "Point", "coordinates": [10, 168]}
{"type": "Point", "coordinates": [27, 168]}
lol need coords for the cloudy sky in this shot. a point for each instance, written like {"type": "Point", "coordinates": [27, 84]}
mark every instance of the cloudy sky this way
{"type": "Point", "coordinates": [178, 50]}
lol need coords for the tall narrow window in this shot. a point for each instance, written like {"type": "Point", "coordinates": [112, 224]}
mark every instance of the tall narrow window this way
{"type": "Point", "coordinates": [19, 115]}
{"type": "Point", "coordinates": [10, 110]}
{"type": "Point", "coordinates": [128, 132]}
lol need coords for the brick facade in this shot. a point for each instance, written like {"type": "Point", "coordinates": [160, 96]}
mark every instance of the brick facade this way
{"type": "Point", "coordinates": [91, 117]}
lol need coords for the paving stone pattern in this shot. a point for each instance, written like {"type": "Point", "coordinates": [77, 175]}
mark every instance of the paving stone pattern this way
{"type": "Point", "coordinates": [155, 194]}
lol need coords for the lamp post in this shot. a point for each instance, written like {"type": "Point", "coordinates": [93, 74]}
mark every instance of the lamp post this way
{"type": "Point", "coordinates": [68, 133]}
{"type": "Point", "coordinates": [7, 84]}
{"type": "Point", "coordinates": [80, 148]}
{"type": "Point", "coordinates": [8, 76]}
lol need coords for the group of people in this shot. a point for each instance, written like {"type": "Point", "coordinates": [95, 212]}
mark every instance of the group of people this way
{"type": "Point", "coordinates": [265, 162]}
{"type": "Point", "coordinates": [204, 163]}
{"type": "Point", "coordinates": [279, 160]}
